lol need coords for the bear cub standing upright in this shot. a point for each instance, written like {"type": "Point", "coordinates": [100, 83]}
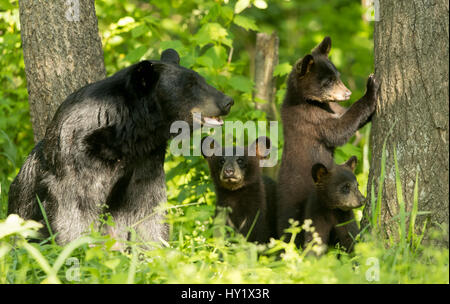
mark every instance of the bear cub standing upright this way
{"type": "Point", "coordinates": [314, 124]}
{"type": "Point", "coordinates": [239, 184]}
{"type": "Point", "coordinates": [330, 205]}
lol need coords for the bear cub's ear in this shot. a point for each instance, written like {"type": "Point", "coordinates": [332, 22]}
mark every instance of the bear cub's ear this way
{"type": "Point", "coordinates": [261, 146]}
{"type": "Point", "coordinates": [352, 162]}
{"type": "Point", "coordinates": [318, 171]}
{"type": "Point", "coordinates": [323, 48]}
{"type": "Point", "coordinates": [304, 66]}
{"type": "Point", "coordinates": [142, 77]}
{"type": "Point", "coordinates": [170, 56]}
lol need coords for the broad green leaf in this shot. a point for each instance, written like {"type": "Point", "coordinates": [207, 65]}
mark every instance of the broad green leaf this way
{"type": "Point", "coordinates": [140, 30]}
{"type": "Point", "coordinates": [212, 32]}
{"type": "Point", "coordinates": [218, 55]}
{"type": "Point", "coordinates": [227, 13]}
{"type": "Point", "coordinates": [241, 83]}
{"type": "Point", "coordinates": [261, 4]}
{"type": "Point", "coordinates": [241, 5]}
{"type": "Point", "coordinates": [205, 61]}
{"type": "Point", "coordinates": [6, 5]}
{"type": "Point", "coordinates": [136, 54]}
{"type": "Point", "coordinates": [282, 69]}
{"type": "Point", "coordinates": [247, 23]}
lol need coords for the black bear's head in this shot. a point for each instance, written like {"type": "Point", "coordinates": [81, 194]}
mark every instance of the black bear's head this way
{"type": "Point", "coordinates": [317, 77]}
{"type": "Point", "coordinates": [234, 172]}
{"type": "Point", "coordinates": [338, 187]}
{"type": "Point", "coordinates": [178, 91]}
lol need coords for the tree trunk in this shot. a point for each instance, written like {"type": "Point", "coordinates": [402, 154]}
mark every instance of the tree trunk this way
{"type": "Point", "coordinates": [266, 59]}
{"type": "Point", "coordinates": [411, 61]}
{"type": "Point", "coordinates": [62, 52]}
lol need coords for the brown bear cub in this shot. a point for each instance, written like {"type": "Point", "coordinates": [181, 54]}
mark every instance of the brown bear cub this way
{"type": "Point", "coordinates": [314, 125]}
{"type": "Point", "coordinates": [330, 205]}
{"type": "Point", "coordinates": [240, 185]}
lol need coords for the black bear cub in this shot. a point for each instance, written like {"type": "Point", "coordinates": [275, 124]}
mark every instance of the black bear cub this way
{"type": "Point", "coordinates": [330, 205]}
{"type": "Point", "coordinates": [314, 124]}
{"type": "Point", "coordinates": [239, 184]}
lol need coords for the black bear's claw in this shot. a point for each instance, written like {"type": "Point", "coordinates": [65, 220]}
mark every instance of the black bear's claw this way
{"type": "Point", "coordinates": [372, 84]}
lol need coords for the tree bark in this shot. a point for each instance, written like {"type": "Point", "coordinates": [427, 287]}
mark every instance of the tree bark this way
{"type": "Point", "coordinates": [266, 59]}
{"type": "Point", "coordinates": [62, 52]}
{"type": "Point", "coordinates": [411, 42]}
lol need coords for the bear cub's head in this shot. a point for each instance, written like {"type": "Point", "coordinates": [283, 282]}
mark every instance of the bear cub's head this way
{"type": "Point", "coordinates": [316, 77]}
{"type": "Point", "coordinates": [178, 91]}
{"type": "Point", "coordinates": [231, 171]}
{"type": "Point", "coordinates": [338, 187]}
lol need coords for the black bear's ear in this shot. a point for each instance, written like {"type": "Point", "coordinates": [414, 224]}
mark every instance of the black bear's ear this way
{"type": "Point", "coordinates": [209, 147]}
{"type": "Point", "coordinates": [262, 146]}
{"type": "Point", "coordinates": [304, 66]}
{"type": "Point", "coordinates": [142, 77]}
{"type": "Point", "coordinates": [323, 48]}
{"type": "Point", "coordinates": [318, 171]}
{"type": "Point", "coordinates": [351, 163]}
{"type": "Point", "coordinates": [170, 56]}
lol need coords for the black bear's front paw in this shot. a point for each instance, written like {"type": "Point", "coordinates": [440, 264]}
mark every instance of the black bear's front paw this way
{"type": "Point", "coordinates": [372, 88]}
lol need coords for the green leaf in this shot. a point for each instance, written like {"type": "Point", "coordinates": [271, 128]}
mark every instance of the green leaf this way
{"type": "Point", "coordinates": [218, 55]}
{"type": "Point", "coordinates": [241, 83]}
{"type": "Point", "coordinates": [226, 13]}
{"type": "Point", "coordinates": [282, 69]}
{"type": "Point", "coordinates": [247, 23]}
{"type": "Point", "coordinates": [112, 264]}
{"type": "Point", "coordinates": [212, 32]}
{"type": "Point", "coordinates": [261, 4]}
{"type": "Point", "coordinates": [6, 5]}
{"type": "Point", "coordinates": [140, 30]}
{"type": "Point", "coordinates": [205, 61]}
{"type": "Point", "coordinates": [136, 54]}
{"type": "Point", "coordinates": [241, 5]}
{"type": "Point", "coordinates": [177, 45]}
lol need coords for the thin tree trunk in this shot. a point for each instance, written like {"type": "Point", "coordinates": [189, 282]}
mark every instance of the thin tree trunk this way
{"type": "Point", "coordinates": [266, 59]}
{"type": "Point", "coordinates": [411, 61]}
{"type": "Point", "coordinates": [62, 52]}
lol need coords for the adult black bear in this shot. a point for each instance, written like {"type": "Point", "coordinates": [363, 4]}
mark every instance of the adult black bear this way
{"type": "Point", "coordinates": [314, 125]}
{"type": "Point", "coordinates": [330, 205]}
{"type": "Point", "coordinates": [104, 150]}
{"type": "Point", "coordinates": [239, 184]}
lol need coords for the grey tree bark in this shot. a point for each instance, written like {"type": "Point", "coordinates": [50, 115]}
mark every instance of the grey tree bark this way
{"type": "Point", "coordinates": [62, 52]}
{"type": "Point", "coordinates": [266, 59]}
{"type": "Point", "coordinates": [411, 42]}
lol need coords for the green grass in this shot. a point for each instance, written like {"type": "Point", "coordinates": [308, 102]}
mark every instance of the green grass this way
{"type": "Point", "coordinates": [195, 253]}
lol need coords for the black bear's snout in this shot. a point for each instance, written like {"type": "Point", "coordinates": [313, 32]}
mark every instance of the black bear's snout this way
{"type": "Point", "coordinates": [226, 104]}
{"type": "Point", "coordinates": [228, 172]}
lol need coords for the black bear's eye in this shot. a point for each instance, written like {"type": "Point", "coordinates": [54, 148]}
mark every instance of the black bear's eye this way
{"type": "Point", "coordinates": [327, 82]}
{"type": "Point", "coordinates": [346, 189]}
{"type": "Point", "coordinates": [222, 161]}
{"type": "Point", "coordinates": [240, 161]}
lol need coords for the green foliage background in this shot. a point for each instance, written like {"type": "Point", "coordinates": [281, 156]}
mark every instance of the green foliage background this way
{"type": "Point", "coordinates": [216, 39]}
